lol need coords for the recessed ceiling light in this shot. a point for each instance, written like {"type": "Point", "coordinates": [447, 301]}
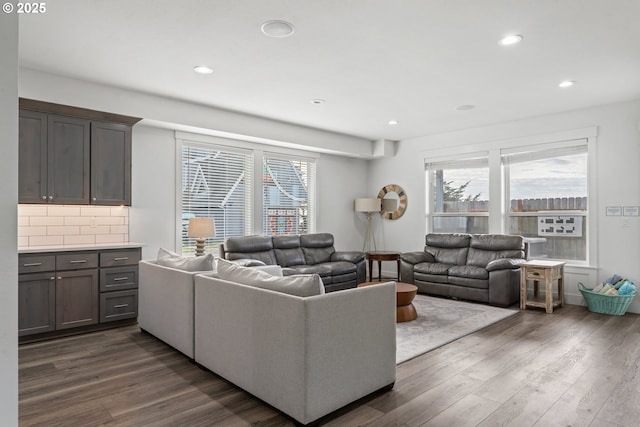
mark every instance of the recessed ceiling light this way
{"type": "Point", "coordinates": [510, 39]}
{"type": "Point", "coordinates": [203, 69]}
{"type": "Point", "coordinates": [318, 101]}
{"type": "Point", "coordinates": [567, 83]}
{"type": "Point", "coordinates": [277, 28]}
{"type": "Point", "coordinates": [393, 122]}
{"type": "Point", "coordinates": [465, 107]}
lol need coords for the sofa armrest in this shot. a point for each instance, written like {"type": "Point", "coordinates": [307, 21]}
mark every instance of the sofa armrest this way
{"type": "Point", "coordinates": [165, 304]}
{"type": "Point", "coordinates": [247, 262]}
{"type": "Point", "coordinates": [504, 264]}
{"type": "Point", "coordinates": [417, 257]}
{"type": "Point", "coordinates": [349, 256]}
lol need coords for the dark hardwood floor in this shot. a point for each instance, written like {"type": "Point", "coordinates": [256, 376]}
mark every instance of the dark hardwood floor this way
{"type": "Point", "coordinates": [570, 368]}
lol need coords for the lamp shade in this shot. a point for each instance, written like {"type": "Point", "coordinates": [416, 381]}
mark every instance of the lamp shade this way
{"type": "Point", "coordinates": [201, 227]}
{"type": "Point", "coordinates": [367, 205]}
{"type": "Point", "coordinates": [389, 205]}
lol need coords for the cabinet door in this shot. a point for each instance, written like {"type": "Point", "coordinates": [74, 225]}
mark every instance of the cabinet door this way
{"type": "Point", "coordinates": [68, 160]}
{"type": "Point", "coordinates": [110, 164]}
{"type": "Point", "coordinates": [32, 163]}
{"type": "Point", "coordinates": [77, 298]}
{"type": "Point", "coordinates": [36, 303]}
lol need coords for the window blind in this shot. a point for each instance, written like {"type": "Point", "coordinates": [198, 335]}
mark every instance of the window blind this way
{"type": "Point", "coordinates": [217, 182]}
{"type": "Point", "coordinates": [288, 194]}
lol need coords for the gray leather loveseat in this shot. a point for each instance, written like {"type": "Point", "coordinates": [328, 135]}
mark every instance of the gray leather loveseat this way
{"type": "Point", "coordinates": [477, 267]}
{"type": "Point", "coordinates": [301, 254]}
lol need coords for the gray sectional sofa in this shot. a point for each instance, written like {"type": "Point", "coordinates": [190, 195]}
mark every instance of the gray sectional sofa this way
{"type": "Point", "coordinates": [301, 254]}
{"type": "Point", "coordinates": [306, 356]}
{"type": "Point", "coordinates": [477, 267]}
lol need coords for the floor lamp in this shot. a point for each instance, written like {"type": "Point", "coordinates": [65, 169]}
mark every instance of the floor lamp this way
{"type": "Point", "coordinates": [369, 206]}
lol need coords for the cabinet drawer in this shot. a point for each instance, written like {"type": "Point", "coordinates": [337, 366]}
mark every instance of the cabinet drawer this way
{"type": "Point", "coordinates": [121, 257]}
{"type": "Point", "coordinates": [535, 273]}
{"type": "Point", "coordinates": [77, 260]}
{"type": "Point", "coordinates": [36, 263]}
{"type": "Point", "coordinates": [118, 278]}
{"type": "Point", "coordinates": [118, 305]}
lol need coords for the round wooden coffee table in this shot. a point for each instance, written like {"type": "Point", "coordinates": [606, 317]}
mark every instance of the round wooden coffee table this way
{"type": "Point", "coordinates": [405, 292]}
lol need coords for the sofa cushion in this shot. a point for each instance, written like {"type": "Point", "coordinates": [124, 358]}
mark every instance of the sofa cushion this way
{"type": "Point", "coordinates": [433, 268]}
{"type": "Point", "coordinates": [171, 259]}
{"type": "Point", "coordinates": [317, 248]}
{"type": "Point", "coordinates": [287, 250]}
{"type": "Point", "coordinates": [320, 269]}
{"type": "Point", "coordinates": [469, 271]}
{"type": "Point", "coordinates": [254, 247]}
{"type": "Point", "coordinates": [302, 285]}
{"type": "Point", "coordinates": [485, 248]}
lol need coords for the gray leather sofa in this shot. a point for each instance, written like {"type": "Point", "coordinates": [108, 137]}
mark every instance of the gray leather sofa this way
{"type": "Point", "coordinates": [477, 267]}
{"type": "Point", "coordinates": [301, 254]}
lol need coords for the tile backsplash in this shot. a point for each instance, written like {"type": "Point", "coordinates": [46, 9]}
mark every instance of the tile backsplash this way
{"type": "Point", "coordinates": [51, 225]}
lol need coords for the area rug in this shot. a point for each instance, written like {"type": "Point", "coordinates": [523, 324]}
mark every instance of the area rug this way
{"type": "Point", "coordinates": [441, 321]}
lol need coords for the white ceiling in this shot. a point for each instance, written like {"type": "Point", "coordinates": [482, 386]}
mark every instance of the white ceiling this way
{"type": "Point", "coordinates": [371, 60]}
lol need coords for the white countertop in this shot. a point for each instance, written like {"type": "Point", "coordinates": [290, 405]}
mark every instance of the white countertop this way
{"type": "Point", "coordinates": [64, 248]}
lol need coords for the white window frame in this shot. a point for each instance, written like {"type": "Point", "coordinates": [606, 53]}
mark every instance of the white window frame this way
{"type": "Point", "coordinates": [311, 185]}
{"type": "Point", "coordinates": [537, 152]}
{"type": "Point", "coordinates": [497, 209]}
{"type": "Point", "coordinates": [258, 151]}
{"type": "Point", "coordinates": [471, 159]}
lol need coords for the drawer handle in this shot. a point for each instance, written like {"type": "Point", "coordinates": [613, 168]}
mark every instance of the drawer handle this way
{"type": "Point", "coordinates": [535, 273]}
{"type": "Point", "coordinates": [120, 279]}
{"type": "Point", "coordinates": [121, 306]}
{"type": "Point", "coordinates": [32, 264]}
{"type": "Point", "coordinates": [122, 258]}
{"type": "Point", "coordinates": [78, 261]}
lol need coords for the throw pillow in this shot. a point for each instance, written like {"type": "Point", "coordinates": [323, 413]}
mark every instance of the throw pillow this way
{"type": "Point", "coordinates": [171, 259]}
{"type": "Point", "coordinates": [302, 285]}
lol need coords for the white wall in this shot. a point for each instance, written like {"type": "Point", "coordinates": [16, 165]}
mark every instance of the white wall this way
{"type": "Point", "coordinates": [617, 180]}
{"type": "Point", "coordinates": [8, 219]}
{"type": "Point", "coordinates": [191, 117]}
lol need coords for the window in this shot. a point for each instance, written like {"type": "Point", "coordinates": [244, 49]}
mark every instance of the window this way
{"type": "Point", "coordinates": [546, 191]}
{"type": "Point", "coordinates": [287, 185]}
{"type": "Point", "coordinates": [459, 195]}
{"type": "Point", "coordinates": [217, 182]}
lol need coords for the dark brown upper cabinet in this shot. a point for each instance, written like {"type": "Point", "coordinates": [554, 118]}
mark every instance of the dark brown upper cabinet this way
{"type": "Point", "coordinates": [110, 164]}
{"type": "Point", "coordinates": [32, 159]}
{"type": "Point", "coordinates": [70, 155]}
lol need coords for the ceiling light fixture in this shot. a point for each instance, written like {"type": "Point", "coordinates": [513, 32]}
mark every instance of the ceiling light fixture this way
{"type": "Point", "coordinates": [318, 101]}
{"type": "Point", "coordinates": [510, 39]}
{"type": "Point", "coordinates": [465, 107]}
{"type": "Point", "coordinates": [393, 122]}
{"type": "Point", "coordinates": [277, 28]}
{"type": "Point", "coordinates": [203, 69]}
{"type": "Point", "coordinates": [567, 83]}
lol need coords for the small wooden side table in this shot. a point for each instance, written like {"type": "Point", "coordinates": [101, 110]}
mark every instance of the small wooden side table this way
{"type": "Point", "coordinates": [542, 271]}
{"type": "Point", "coordinates": [381, 256]}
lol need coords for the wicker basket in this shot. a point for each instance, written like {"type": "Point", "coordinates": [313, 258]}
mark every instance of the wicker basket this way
{"type": "Point", "coordinates": [606, 304]}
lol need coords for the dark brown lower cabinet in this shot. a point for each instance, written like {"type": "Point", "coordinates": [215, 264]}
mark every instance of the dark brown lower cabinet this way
{"type": "Point", "coordinates": [36, 303]}
{"type": "Point", "coordinates": [65, 292]}
{"type": "Point", "coordinates": [77, 294]}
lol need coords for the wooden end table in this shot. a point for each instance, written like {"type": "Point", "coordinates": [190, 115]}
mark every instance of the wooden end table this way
{"type": "Point", "coordinates": [542, 271]}
{"type": "Point", "coordinates": [381, 256]}
{"type": "Point", "coordinates": [405, 293]}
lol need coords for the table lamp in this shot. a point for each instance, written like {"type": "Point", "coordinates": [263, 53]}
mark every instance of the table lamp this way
{"type": "Point", "coordinates": [369, 206]}
{"type": "Point", "coordinates": [201, 228]}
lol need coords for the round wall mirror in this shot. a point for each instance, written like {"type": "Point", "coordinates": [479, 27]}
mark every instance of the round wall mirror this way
{"type": "Point", "coordinates": [394, 201]}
